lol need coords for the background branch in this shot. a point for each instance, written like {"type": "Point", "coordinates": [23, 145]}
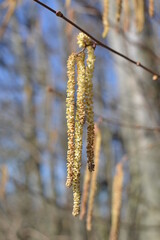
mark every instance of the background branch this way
{"type": "Point", "coordinates": [98, 42]}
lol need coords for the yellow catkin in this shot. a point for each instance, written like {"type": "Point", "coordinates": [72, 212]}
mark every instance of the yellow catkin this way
{"type": "Point", "coordinates": [68, 3]}
{"type": "Point", "coordinates": [119, 10]}
{"type": "Point", "coordinates": [78, 132]}
{"type": "Point", "coordinates": [89, 107]}
{"type": "Point", "coordinates": [4, 178]}
{"type": "Point", "coordinates": [70, 116]}
{"type": "Point", "coordinates": [126, 9]}
{"type": "Point", "coordinates": [11, 5]}
{"type": "Point", "coordinates": [105, 18]}
{"type": "Point", "coordinates": [151, 8]}
{"type": "Point", "coordinates": [86, 185]}
{"type": "Point", "coordinates": [141, 16]}
{"type": "Point", "coordinates": [116, 201]}
{"type": "Point", "coordinates": [139, 13]}
{"type": "Point", "coordinates": [83, 40]}
{"type": "Point", "coordinates": [97, 146]}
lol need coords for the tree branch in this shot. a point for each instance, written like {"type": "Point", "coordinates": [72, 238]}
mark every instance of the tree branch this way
{"type": "Point", "coordinates": [97, 42]}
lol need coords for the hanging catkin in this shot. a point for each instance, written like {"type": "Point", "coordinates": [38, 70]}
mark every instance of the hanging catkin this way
{"type": "Point", "coordinates": [3, 181]}
{"type": "Point", "coordinates": [116, 201]}
{"type": "Point", "coordinates": [105, 18]}
{"type": "Point", "coordinates": [78, 131]}
{"type": "Point", "coordinates": [119, 9]}
{"type": "Point", "coordinates": [126, 10]}
{"type": "Point", "coordinates": [83, 40]}
{"type": "Point", "coordinates": [70, 116]}
{"type": "Point", "coordinates": [139, 13]}
{"type": "Point", "coordinates": [11, 6]}
{"type": "Point", "coordinates": [84, 106]}
{"type": "Point", "coordinates": [68, 3]}
{"type": "Point", "coordinates": [151, 8]}
{"type": "Point", "coordinates": [89, 107]}
{"type": "Point", "coordinates": [97, 146]}
{"type": "Point", "coordinates": [86, 185]}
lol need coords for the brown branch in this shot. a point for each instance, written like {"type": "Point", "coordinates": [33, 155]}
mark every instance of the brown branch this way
{"type": "Point", "coordinates": [128, 125]}
{"type": "Point", "coordinates": [97, 42]}
{"type": "Point", "coordinates": [109, 120]}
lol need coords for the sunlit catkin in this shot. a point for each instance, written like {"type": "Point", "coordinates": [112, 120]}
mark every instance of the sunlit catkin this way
{"type": "Point", "coordinates": [83, 40]}
{"type": "Point", "coordinates": [68, 3]}
{"type": "Point", "coordinates": [151, 8]}
{"type": "Point", "coordinates": [80, 114]}
{"type": "Point", "coordinates": [11, 6]}
{"type": "Point", "coordinates": [89, 107]}
{"type": "Point", "coordinates": [141, 16]}
{"type": "Point", "coordinates": [70, 117]}
{"type": "Point", "coordinates": [94, 174]}
{"type": "Point", "coordinates": [116, 201]}
{"type": "Point", "coordinates": [86, 185]}
{"type": "Point", "coordinates": [105, 18]}
{"type": "Point", "coordinates": [3, 181]}
{"type": "Point", "coordinates": [119, 9]}
{"type": "Point", "coordinates": [126, 10]}
{"type": "Point", "coordinates": [139, 13]}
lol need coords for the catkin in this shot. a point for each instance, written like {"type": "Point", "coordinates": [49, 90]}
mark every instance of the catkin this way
{"type": "Point", "coordinates": [94, 178]}
{"type": "Point", "coordinates": [105, 18]}
{"type": "Point", "coordinates": [151, 8]}
{"type": "Point", "coordinates": [3, 182]}
{"type": "Point", "coordinates": [83, 40]}
{"type": "Point", "coordinates": [116, 201]}
{"type": "Point", "coordinates": [68, 3]}
{"type": "Point", "coordinates": [126, 15]}
{"type": "Point", "coordinates": [78, 131]}
{"type": "Point", "coordinates": [11, 5]}
{"type": "Point", "coordinates": [119, 10]}
{"type": "Point", "coordinates": [86, 185]}
{"type": "Point", "coordinates": [70, 116]}
{"type": "Point", "coordinates": [89, 107]}
{"type": "Point", "coordinates": [139, 12]}
{"type": "Point", "coordinates": [141, 15]}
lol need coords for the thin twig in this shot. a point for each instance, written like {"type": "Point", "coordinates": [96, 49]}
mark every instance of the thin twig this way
{"type": "Point", "coordinates": [108, 120]}
{"type": "Point", "coordinates": [137, 63]}
{"type": "Point", "coordinates": [128, 125]}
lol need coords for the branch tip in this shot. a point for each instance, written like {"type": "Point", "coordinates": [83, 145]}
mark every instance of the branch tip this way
{"type": "Point", "coordinates": [155, 77]}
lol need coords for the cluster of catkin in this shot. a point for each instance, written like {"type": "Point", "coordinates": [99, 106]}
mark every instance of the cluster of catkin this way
{"type": "Point", "coordinates": [76, 113]}
{"type": "Point", "coordinates": [125, 7]}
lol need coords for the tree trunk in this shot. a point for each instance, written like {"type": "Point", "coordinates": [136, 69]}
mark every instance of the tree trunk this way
{"type": "Point", "coordinates": [137, 93]}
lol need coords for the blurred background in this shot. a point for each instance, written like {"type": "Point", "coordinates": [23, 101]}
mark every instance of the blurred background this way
{"type": "Point", "coordinates": [34, 47]}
